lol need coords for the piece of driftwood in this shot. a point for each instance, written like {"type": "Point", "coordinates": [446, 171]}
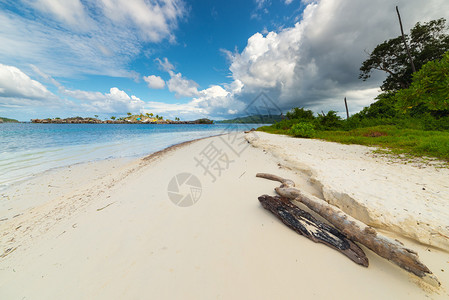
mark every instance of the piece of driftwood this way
{"type": "Point", "coordinates": [356, 230]}
{"type": "Point", "coordinates": [305, 224]}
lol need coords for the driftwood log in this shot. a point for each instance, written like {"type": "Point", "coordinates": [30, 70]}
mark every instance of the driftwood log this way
{"type": "Point", "coordinates": [305, 224]}
{"type": "Point", "coordinates": [357, 231]}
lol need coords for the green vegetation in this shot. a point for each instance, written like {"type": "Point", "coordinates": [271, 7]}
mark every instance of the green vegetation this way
{"type": "Point", "coordinates": [429, 89]}
{"type": "Point", "coordinates": [411, 116]}
{"type": "Point", "coordinates": [255, 119]}
{"type": "Point", "coordinates": [204, 121]}
{"type": "Point", "coordinates": [6, 120]}
{"type": "Point", "coordinates": [303, 129]}
{"type": "Point", "coordinates": [428, 42]}
{"type": "Point", "coordinates": [399, 140]}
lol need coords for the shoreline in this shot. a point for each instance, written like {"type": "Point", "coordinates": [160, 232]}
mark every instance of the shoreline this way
{"type": "Point", "coordinates": [120, 236]}
{"type": "Point", "coordinates": [132, 163]}
{"type": "Point", "coordinates": [21, 163]}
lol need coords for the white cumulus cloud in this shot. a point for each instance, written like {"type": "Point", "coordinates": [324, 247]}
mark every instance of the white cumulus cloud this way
{"type": "Point", "coordinates": [154, 82]}
{"type": "Point", "coordinates": [18, 88]}
{"type": "Point", "coordinates": [116, 101]}
{"type": "Point", "coordinates": [268, 61]}
{"type": "Point", "coordinates": [219, 101]}
{"type": "Point", "coordinates": [181, 86]}
{"type": "Point", "coordinates": [184, 111]}
{"type": "Point", "coordinates": [315, 63]}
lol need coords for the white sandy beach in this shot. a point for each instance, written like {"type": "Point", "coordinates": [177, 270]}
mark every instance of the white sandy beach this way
{"type": "Point", "coordinates": [108, 230]}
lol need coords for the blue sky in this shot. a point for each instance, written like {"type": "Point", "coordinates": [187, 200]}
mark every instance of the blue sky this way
{"type": "Point", "coordinates": [191, 59]}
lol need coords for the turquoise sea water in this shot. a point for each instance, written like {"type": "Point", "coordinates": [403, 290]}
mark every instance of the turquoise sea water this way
{"type": "Point", "coordinates": [28, 149]}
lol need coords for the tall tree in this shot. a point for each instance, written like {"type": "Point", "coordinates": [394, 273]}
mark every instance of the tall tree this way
{"type": "Point", "coordinates": [428, 41]}
{"type": "Point", "coordinates": [429, 88]}
{"type": "Point", "coordinates": [300, 113]}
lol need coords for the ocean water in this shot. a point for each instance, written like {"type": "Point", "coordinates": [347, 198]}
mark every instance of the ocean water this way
{"type": "Point", "coordinates": [28, 149]}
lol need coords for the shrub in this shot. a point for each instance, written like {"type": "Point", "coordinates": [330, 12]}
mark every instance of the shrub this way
{"type": "Point", "coordinates": [329, 122]}
{"type": "Point", "coordinates": [303, 129]}
{"type": "Point", "coordinates": [384, 107]}
{"type": "Point", "coordinates": [285, 124]}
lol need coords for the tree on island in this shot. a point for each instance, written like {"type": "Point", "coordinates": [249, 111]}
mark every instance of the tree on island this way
{"type": "Point", "coordinates": [428, 42]}
{"type": "Point", "coordinates": [113, 118]}
{"type": "Point", "coordinates": [129, 114]}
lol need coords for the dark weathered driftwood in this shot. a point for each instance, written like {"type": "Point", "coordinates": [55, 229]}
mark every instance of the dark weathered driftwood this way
{"type": "Point", "coordinates": [305, 224]}
{"type": "Point", "coordinates": [356, 230]}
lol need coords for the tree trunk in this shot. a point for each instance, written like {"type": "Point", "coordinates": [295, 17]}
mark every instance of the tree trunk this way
{"type": "Point", "coordinates": [356, 230]}
{"type": "Point", "coordinates": [347, 110]}
{"type": "Point", "coordinates": [305, 224]}
{"type": "Point", "coordinates": [405, 42]}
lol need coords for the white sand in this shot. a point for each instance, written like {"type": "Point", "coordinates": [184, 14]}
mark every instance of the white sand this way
{"type": "Point", "coordinates": [411, 199]}
{"type": "Point", "coordinates": [118, 236]}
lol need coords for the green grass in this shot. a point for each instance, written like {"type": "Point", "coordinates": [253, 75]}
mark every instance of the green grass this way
{"type": "Point", "coordinates": [270, 129]}
{"type": "Point", "coordinates": [413, 142]}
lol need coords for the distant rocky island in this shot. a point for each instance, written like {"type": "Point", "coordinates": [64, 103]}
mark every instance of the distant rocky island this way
{"type": "Point", "coordinates": [131, 119]}
{"type": "Point", "coordinates": [149, 119]}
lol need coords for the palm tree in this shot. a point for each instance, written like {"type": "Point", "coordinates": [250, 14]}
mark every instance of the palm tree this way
{"type": "Point", "coordinates": [151, 114]}
{"type": "Point", "coordinates": [129, 114]}
{"type": "Point", "coordinates": [112, 118]}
